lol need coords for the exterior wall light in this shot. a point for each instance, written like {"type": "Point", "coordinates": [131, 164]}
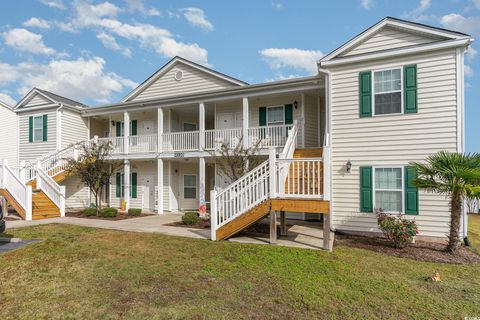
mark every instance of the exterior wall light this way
{"type": "Point", "coordinates": [295, 104]}
{"type": "Point", "coordinates": [349, 166]}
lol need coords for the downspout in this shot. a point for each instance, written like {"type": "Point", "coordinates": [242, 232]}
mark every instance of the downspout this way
{"type": "Point", "coordinates": [327, 134]}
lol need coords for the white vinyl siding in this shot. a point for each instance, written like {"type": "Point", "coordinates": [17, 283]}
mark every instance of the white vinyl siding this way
{"type": "Point", "coordinates": [389, 38]}
{"type": "Point", "coordinates": [9, 135]}
{"type": "Point", "coordinates": [193, 81]}
{"type": "Point", "coordinates": [36, 101]}
{"type": "Point", "coordinates": [76, 193]}
{"type": "Point", "coordinates": [312, 123]}
{"type": "Point", "coordinates": [32, 151]}
{"type": "Point", "coordinates": [74, 128]}
{"type": "Point", "coordinates": [392, 140]}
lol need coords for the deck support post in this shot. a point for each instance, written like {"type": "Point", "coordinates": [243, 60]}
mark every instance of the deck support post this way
{"type": "Point", "coordinates": [127, 182]}
{"type": "Point", "coordinates": [273, 227]}
{"type": "Point", "coordinates": [159, 186]}
{"type": "Point", "coordinates": [326, 232]}
{"type": "Point", "coordinates": [283, 223]}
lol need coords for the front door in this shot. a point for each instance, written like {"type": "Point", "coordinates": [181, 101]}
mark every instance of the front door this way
{"type": "Point", "coordinates": [225, 121]}
{"type": "Point", "coordinates": [148, 192]}
{"type": "Point", "coordinates": [148, 127]}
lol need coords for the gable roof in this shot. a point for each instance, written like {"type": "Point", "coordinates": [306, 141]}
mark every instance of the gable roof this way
{"type": "Point", "coordinates": [398, 24]}
{"type": "Point", "coordinates": [50, 96]}
{"type": "Point", "coordinates": [150, 80]}
{"type": "Point", "coordinates": [3, 104]}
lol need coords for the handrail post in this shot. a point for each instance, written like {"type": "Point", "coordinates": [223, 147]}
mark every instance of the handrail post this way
{"type": "Point", "coordinates": [4, 173]}
{"type": "Point", "coordinates": [273, 171]}
{"type": "Point", "coordinates": [28, 204]}
{"type": "Point", "coordinates": [213, 215]}
{"type": "Point", "coordinates": [21, 172]}
{"type": "Point", "coordinates": [326, 173]}
{"type": "Point", "coordinates": [39, 179]}
{"type": "Point", "coordinates": [62, 201]}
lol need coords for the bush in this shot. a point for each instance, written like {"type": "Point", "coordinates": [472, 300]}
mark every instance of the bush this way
{"type": "Point", "coordinates": [108, 212]}
{"type": "Point", "coordinates": [134, 212]}
{"type": "Point", "coordinates": [89, 212]}
{"type": "Point", "coordinates": [396, 228]}
{"type": "Point", "coordinates": [190, 218]}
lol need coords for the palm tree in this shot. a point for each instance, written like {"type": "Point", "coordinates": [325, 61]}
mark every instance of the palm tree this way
{"type": "Point", "coordinates": [451, 174]}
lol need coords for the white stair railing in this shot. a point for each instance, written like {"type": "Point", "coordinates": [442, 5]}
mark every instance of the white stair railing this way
{"type": "Point", "coordinates": [21, 192]}
{"type": "Point", "coordinates": [51, 188]}
{"type": "Point", "coordinates": [302, 179]}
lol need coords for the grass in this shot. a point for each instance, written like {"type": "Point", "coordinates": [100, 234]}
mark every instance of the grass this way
{"type": "Point", "coordinates": [86, 273]}
{"type": "Point", "coordinates": [474, 231]}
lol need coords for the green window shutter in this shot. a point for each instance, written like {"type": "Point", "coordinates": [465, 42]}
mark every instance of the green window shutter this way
{"type": "Point", "coordinates": [118, 128]}
{"type": "Point", "coordinates": [45, 127]}
{"type": "Point", "coordinates": [410, 89]}
{"type": "Point", "coordinates": [133, 128]}
{"type": "Point", "coordinates": [134, 185]}
{"type": "Point", "coordinates": [288, 114]}
{"type": "Point", "coordinates": [30, 129]}
{"type": "Point", "coordinates": [118, 191]}
{"type": "Point", "coordinates": [365, 88]}
{"type": "Point", "coordinates": [366, 189]}
{"type": "Point", "coordinates": [262, 118]}
{"type": "Point", "coordinates": [411, 191]}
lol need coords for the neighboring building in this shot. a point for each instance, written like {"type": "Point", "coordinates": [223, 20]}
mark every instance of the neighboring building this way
{"type": "Point", "coordinates": [8, 134]}
{"type": "Point", "coordinates": [392, 95]}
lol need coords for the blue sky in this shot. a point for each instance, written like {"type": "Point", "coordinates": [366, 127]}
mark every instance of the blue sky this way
{"type": "Point", "coordinates": [97, 51]}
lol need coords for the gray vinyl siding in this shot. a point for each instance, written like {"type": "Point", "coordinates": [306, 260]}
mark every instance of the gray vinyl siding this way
{"type": "Point", "coordinates": [193, 81]}
{"type": "Point", "coordinates": [30, 151]}
{"type": "Point", "coordinates": [389, 38]}
{"type": "Point", "coordinates": [392, 139]}
{"type": "Point", "coordinates": [9, 136]}
{"type": "Point", "coordinates": [76, 193]}
{"type": "Point", "coordinates": [74, 128]}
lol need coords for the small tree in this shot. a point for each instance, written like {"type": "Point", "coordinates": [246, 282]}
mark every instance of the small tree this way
{"type": "Point", "coordinates": [451, 174]}
{"type": "Point", "coordinates": [235, 162]}
{"type": "Point", "coordinates": [94, 167]}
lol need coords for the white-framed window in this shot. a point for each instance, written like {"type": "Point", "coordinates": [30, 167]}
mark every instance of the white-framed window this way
{"type": "Point", "coordinates": [38, 128]}
{"type": "Point", "coordinates": [189, 186]}
{"type": "Point", "coordinates": [388, 192]}
{"type": "Point", "coordinates": [189, 126]}
{"type": "Point", "coordinates": [387, 91]}
{"type": "Point", "coordinates": [275, 115]}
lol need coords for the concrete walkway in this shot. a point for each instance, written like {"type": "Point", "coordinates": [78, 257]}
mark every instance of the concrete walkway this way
{"type": "Point", "coordinates": [301, 235]}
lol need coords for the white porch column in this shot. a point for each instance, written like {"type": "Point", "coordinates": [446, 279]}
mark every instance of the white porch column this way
{"type": "Point", "coordinates": [201, 187]}
{"type": "Point", "coordinates": [160, 186]}
{"type": "Point", "coordinates": [201, 125]}
{"type": "Point", "coordinates": [159, 129]}
{"type": "Point", "coordinates": [302, 122]}
{"type": "Point", "coordinates": [126, 131]}
{"type": "Point", "coordinates": [126, 181]}
{"type": "Point", "coordinates": [246, 138]}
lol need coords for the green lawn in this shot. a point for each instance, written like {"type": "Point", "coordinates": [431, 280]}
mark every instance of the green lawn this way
{"type": "Point", "coordinates": [87, 273]}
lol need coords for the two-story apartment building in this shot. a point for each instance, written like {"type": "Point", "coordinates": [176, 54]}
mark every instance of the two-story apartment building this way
{"type": "Point", "coordinates": [343, 137]}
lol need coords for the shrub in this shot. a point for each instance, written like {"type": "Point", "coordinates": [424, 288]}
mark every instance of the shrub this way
{"type": "Point", "coordinates": [396, 228]}
{"type": "Point", "coordinates": [108, 212]}
{"type": "Point", "coordinates": [190, 218]}
{"type": "Point", "coordinates": [89, 212]}
{"type": "Point", "coordinates": [134, 212]}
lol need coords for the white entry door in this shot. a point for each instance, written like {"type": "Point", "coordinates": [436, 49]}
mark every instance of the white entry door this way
{"type": "Point", "coordinates": [148, 190]}
{"type": "Point", "coordinates": [148, 127]}
{"type": "Point", "coordinates": [225, 121]}
{"type": "Point", "coordinates": [238, 119]}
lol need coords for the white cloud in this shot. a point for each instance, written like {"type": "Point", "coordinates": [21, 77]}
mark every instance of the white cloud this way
{"type": "Point", "coordinates": [139, 6]}
{"type": "Point", "coordinates": [101, 18]}
{"type": "Point", "coordinates": [37, 23]}
{"type": "Point", "coordinates": [367, 4]}
{"type": "Point", "coordinates": [5, 98]}
{"type": "Point", "coordinates": [455, 21]}
{"type": "Point", "coordinates": [477, 4]}
{"type": "Point", "coordinates": [418, 14]}
{"type": "Point", "coordinates": [197, 18]}
{"type": "Point", "coordinates": [110, 42]}
{"type": "Point", "coordinates": [80, 79]}
{"type": "Point", "coordinates": [8, 73]}
{"type": "Point", "coordinates": [58, 4]}
{"type": "Point", "coordinates": [24, 40]}
{"type": "Point", "coordinates": [468, 71]}
{"type": "Point", "coordinates": [471, 54]}
{"type": "Point", "coordinates": [298, 59]}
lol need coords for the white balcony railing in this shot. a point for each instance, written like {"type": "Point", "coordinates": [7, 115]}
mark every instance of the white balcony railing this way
{"type": "Point", "coordinates": [181, 141]}
{"type": "Point", "coordinates": [143, 143]}
{"type": "Point", "coordinates": [215, 138]}
{"type": "Point", "coordinates": [118, 144]}
{"type": "Point", "coordinates": [269, 136]}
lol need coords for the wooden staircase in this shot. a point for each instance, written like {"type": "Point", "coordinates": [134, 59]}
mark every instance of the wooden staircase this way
{"type": "Point", "coordinates": [42, 206]}
{"type": "Point", "coordinates": [11, 201]}
{"type": "Point", "coordinates": [304, 178]}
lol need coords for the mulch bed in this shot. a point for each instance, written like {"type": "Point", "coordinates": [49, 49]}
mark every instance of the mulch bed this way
{"type": "Point", "coordinates": [121, 216]}
{"type": "Point", "coordinates": [420, 250]}
{"type": "Point", "coordinates": [202, 224]}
